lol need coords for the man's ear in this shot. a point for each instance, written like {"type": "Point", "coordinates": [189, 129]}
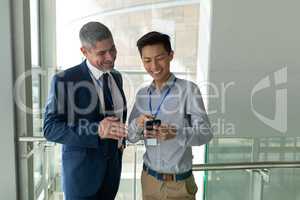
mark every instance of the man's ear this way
{"type": "Point", "coordinates": [171, 55]}
{"type": "Point", "coordinates": [83, 51]}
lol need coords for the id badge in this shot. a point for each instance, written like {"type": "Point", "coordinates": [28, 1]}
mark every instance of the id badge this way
{"type": "Point", "coordinates": [151, 142]}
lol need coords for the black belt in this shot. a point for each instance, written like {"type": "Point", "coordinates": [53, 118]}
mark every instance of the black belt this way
{"type": "Point", "coordinates": [167, 177]}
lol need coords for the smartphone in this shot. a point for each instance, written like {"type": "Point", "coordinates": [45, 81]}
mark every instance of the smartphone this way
{"type": "Point", "coordinates": [150, 123]}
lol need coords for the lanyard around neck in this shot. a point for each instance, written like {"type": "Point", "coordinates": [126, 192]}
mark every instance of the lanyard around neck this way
{"type": "Point", "coordinates": [161, 102]}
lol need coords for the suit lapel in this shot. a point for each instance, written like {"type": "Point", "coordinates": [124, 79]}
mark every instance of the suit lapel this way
{"type": "Point", "coordinates": [118, 79]}
{"type": "Point", "coordinates": [85, 76]}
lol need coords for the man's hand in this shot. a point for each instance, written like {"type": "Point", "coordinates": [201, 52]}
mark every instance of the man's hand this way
{"type": "Point", "coordinates": [150, 134]}
{"type": "Point", "coordinates": [141, 123]}
{"type": "Point", "coordinates": [112, 128]}
{"type": "Point", "coordinates": [165, 132]}
{"type": "Point", "coordinates": [142, 118]}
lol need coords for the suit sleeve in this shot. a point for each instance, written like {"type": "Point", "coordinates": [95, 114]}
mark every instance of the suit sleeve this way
{"type": "Point", "coordinates": [56, 127]}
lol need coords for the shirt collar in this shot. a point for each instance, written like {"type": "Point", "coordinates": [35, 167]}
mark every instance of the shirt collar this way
{"type": "Point", "coordinates": [95, 71]}
{"type": "Point", "coordinates": [167, 84]}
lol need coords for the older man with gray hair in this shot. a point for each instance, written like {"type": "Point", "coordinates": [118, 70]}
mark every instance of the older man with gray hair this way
{"type": "Point", "coordinates": [86, 112]}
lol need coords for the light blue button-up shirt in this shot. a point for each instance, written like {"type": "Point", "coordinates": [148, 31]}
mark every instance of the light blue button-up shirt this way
{"type": "Point", "coordinates": [184, 109]}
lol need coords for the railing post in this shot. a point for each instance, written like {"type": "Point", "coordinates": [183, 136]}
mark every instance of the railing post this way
{"type": "Point", "coordinates": [258, 178]}
{"type": "Point", "coordinates": [134, 173]}
{"type": "Point", "coordinates": [45, 171]}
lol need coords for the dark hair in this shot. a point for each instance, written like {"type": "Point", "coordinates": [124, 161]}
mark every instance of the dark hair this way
{"type": "Point", "coordinates": [92, 32]}
{"type": "Point", "coordinates": [152, 38]}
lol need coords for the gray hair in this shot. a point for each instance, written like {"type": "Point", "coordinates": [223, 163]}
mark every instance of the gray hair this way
{"type": "Point", "coordinates": [92, 32]}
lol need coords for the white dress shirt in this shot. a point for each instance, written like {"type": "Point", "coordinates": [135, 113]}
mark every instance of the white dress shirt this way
{"type": "Point", "coordinates": [118, 102]}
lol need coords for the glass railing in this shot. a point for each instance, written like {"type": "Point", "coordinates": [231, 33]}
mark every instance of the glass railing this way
{"type": "Point", "coordinates": [234, 178]}
{"type": "Point", "coordinates": [44, 169]}
{"type": "Point", "coordinates": [251, 181]}
{"type": "Point", "coordinates": [264, 168]}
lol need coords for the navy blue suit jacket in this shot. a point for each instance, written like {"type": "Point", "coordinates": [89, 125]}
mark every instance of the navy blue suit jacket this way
{"type": "Point", "coordinates": [71, 118]}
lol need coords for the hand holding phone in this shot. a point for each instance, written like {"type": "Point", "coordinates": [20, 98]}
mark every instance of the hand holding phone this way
{"type": "Point", "coordinates": [142, 119]}
{"type": "Point", "coordinates": [150, 124]}
{"type": "Point", "coordinates": [166, 132]}
{"type": "Point", "coordinates": [150, 131]}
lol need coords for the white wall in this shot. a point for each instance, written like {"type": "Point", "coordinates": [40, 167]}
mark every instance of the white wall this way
{"type": "Point", "coordinates": [251, 40]}
{"type": "Point", "coordinates": [7, 146]}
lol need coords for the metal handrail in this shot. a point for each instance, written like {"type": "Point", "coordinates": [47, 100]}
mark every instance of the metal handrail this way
{"type": "Point", "coordinates": [32, 139]}
{"type": "Point", "coordinates": [43, 139]}
{"type": "Point", "coordinates": [210, 166]}
{"type": "Point", "coordinates": [246, 165]}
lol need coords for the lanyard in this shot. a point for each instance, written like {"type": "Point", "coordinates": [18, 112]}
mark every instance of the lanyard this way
{"type": "Point", "coordinates": [162, 100]}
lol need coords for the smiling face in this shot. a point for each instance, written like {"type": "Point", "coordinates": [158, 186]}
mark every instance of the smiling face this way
{"type": "Point", "coordinates": [156, 61]}
{"type": "Point", "coordinates": [102, 55]}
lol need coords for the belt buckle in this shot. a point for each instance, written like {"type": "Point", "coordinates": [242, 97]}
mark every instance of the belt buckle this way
{"type": "Point", "coordinates": [168, 177]}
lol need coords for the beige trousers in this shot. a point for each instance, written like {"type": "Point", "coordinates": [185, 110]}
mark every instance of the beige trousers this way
{"type": "Point", "coordinates": [153, 189]}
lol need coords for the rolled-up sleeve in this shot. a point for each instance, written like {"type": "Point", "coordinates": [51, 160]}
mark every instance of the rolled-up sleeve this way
{"type": "Point", "coordinates": [197, 129]}
{"type": "Point", "coordinates": [134, 131]}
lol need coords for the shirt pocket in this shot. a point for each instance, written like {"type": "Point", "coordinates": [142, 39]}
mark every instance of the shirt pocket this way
{"type": "Point", "coordinates": [171, 106]}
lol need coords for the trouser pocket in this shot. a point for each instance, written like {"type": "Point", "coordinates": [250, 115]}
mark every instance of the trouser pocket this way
{"type": "Point", "coordinates": [190, 185]}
